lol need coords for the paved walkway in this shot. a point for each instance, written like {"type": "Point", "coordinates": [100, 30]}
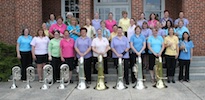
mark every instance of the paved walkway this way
{"type": "Point", "coordinates": [178, 91]}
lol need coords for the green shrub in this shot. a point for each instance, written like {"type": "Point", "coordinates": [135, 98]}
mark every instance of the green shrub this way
{"type": "Point", "coordinates": [7, 60]}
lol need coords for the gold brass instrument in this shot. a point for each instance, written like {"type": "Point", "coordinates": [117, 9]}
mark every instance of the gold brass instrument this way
{"type": "Point", "coordinates": [47, 76]}
{"type": "Point", "coordinates": [81, 75]}
{"type": "Point", "coordinates": [101, 79]}
{"type": "Point", "coordinates": [120, 84]}
{"type": "Point", "coordinates": [16, 73]}
{"type": "Point", "coordinates": [159, 74]}
{"type": "Point", "coordinates": [138, 74]}
{"type": "Point", "coordinates": [30, 76]}
{"type": "Point", "coordinates": [64, 76]}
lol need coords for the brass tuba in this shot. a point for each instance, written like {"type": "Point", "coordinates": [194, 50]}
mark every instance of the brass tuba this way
{"type": "Point", "coordinates": [159, 74]}
{"type": "Point", "coordinates": [120, 84]}
{"type": "Point", "coordinates": [100, 81]}
{"type": "Point", "coordinates": [81, 75]}
{"type": "Point", "coordinates": [47, 76]}
{"type": "Point", "coordinates": [30, 76]}
{"type": "Point", "coordinates": [138, 74]}
{"type": "Point", "coordinates": [16, 73]}
{"type": "Point", "coordinates": [64, 76]}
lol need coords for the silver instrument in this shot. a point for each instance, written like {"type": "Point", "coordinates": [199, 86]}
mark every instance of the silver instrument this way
{"type": "Point", "coordinates": [30, 76]}
{"type": "Point", "coordinates": [120, 84]}
{"type": "Point", "coordinates": [138, 74]}
{"type": "Point", "coordinates": [16, 73]}
{"type": "Point", "coordinates": [64, 76]}
{"type": "Point", "coordinates": [47, 76]}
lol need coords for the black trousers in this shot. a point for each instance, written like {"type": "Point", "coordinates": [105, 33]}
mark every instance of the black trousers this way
{"type": "Point", "coordinates": [171, 65]}
{"type": "Point", "coordinates": [26, 60]}
{"type": "Point", "coordinates": [95, 60]}
{"type": "Point", "coordinates": [126, 67]}
{"type": "Point", "coordinates": [87, 68]}
{"type": "Point", "coordinates": [182, 64]}
{"type": "Point", "coordinates": [56, 62]}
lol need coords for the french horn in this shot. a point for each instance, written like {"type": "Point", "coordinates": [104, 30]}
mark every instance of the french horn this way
{"type": "Point", "coordinates": [16, 73]}
{"type": "Point", "coordinates": [47, 76]}
{"type": "Point", "coordinates": [30, 76]}
{"type": "Point", "coordinates": [64, 76]}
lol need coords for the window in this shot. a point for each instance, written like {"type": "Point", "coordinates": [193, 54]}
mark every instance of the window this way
{"type": "Point", "coordinates": [154, 6]}
{"type": "Point", "coordinates": [70, 6]}
{"type": "Point", "coordinates": [106, 1]}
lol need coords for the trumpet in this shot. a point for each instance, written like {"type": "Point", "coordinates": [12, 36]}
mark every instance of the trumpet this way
{"type": "Point", "coordinates": [138, 74]}
{"type": "Point", "coordinates": [47, 76]}
{"type": "Point", "coordinates": [120, 84]}
{"type": "Point", "coordinates": [16, 73]}
{"type": "Point", "coordinates": [64, 76]}
{"type": "Point", "coordinates": [30, 76]}
{"type": "Point", "coordinates": [81, 75]}
{"type": "Point", "coordinates": [159, 74]}
{"type": "Point", "coordinates": [100, 82]}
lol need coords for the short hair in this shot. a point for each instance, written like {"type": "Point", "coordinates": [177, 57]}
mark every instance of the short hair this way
{"type": "Point", "coordinates": [138, 27]}
{"type": "Point", "coordinates": [59, 17]}
{"type": "Point", "coordinates": [57, 31]}
{"type": "Point", "coordinates": [124, 12]}
{"type": "Point", "coordinates": [83, 28]}
{"type": "Point", "coordinates": [144, 22]}
{"type": "Point", "coordinates": [114, 25]}
{"type": "Point", "coordinates": [166, 11]}
{"type": "Point", "coordinates": [110, 13]}
{"type": "Point", "coordinates": [66, 31]}
{"type": "Point", "coordinates": [119, 27]}
{"type": "Point", "coordinates": [133, 19]}
{"type": "Point", "coordinates": [170, 28]}
{"type": "Point", "coordinates": [40, 30]}
{"type": "Point", "coordinates": [24, 30]}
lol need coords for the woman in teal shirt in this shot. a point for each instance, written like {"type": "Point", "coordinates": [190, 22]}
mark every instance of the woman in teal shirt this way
{"type": "Point", "coordinates": [23, 50]}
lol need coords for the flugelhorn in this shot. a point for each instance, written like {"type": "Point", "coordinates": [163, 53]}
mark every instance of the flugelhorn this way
{"type": "Point", "coordinates": [64, 76]}
{"type": "Point", "coordinates": [120, 84]}
{"type": "Point", "coordinates": [30, 76]}
{"type": "Point", "coordinates": [47, 76]}
{"type": "Point", "coordinates": [138, 74]}
{"type": "Point", "coordinates": [81, 75]}
{"type": "Point", "coordinates": [159, 74]}
{"type": "Point", "coordinates": [16, 73]}
{"type": "Point", "coordinates": [101, 79]}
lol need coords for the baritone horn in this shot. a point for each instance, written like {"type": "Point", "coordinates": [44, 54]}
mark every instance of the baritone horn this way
{"type": "Point", "coordinates": [64, 76]}
{"type": "Point", "coordinates": [16, 73]}
{"type": "Point", "coordinates": [159, 74]}
{"type": "Point", "coordinates": [47, 76]}
{"type": "Point", "coordinates": [138, 74]}
{"type": "Point", "coordinates": [120, 84]}
{"type": "Point", "coordinates": [101, 78]}
{"type": "Point", "coordinates": [81, 75]}
{"type": "Point", "coordinates": [30, 76]}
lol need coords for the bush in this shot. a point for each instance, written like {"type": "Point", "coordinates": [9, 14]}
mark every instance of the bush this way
{"type": "Point", "coordinates": [7, 60]}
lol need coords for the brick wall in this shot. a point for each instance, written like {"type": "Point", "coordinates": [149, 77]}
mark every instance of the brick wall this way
{"type": "Point", "coordinates": [85, 10]}
{"type": "Point", "coordinates": [136, 8]}
{"type": "Point", "coordinates": [174, 7]}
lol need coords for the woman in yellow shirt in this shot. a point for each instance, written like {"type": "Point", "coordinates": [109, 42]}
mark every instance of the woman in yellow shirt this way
{"type": "Point", "coordinates": [124, 22]}
{"type": "Point", "coordinates": [171, 53]}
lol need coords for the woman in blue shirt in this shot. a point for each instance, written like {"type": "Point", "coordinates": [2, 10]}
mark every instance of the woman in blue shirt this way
{"type": "Point", "coordinates": [186, 52]}
{"type": "Point", "coordinates": [23, 50]}
{"type": "Point", "coordinates": [156, 47]}
{"type": "Point", "coordinates": [74, 29]}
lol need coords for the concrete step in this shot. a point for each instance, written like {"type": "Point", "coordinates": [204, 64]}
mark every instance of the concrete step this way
{"type": "Point", "coordinates": [198, 58]}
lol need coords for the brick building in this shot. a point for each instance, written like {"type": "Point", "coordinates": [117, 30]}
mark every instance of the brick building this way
{"type": "Point", "coordinates": [18, 14]}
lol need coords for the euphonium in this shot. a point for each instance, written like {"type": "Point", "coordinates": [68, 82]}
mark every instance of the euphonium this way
{"type": "Point", "coordinates": [100, 82]}
{"type": "Point", "coordinates": [120, 84]}
{"type": "Point", "coordinates": [47, 76]}
{"type": "Point", "coordinates": [138, 74]}
{"type": "Point", "coordinates": [16, 73]}
{"type": "Point", "coordinates": [30, 76]}
{"type": "Point", "coordinates": [64, 76]}
{"type": "Point", "coordinates": [159, 74]}
{"type": "Point", "coordinates": [81, 75]}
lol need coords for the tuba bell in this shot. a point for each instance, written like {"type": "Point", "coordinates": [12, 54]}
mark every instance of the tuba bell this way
{"type": "Point", "coordinates": [138, 74]}
{"type": "Point", "coordinates": [81, 75]}
{"type": "Point", "coordinates": [30, 76]}
{"type": "Point", "coordinates": [64, 76]}
{"type": "Point", "coordinates": [16, 73]}
{"type": "Point", "coordinates": [47, 76]}
{"type": "Point", "coordinates": [120, 84]}
{"type": "Point", "coordinates": [100, 81]}
{"type": "Point", "coordinates": [159, 74]}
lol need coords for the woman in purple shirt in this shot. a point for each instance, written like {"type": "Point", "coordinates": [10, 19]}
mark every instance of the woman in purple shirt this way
{"type": "Point", "coordinates": [120, 47]}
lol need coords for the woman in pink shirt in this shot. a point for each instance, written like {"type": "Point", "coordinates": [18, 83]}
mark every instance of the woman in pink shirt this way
{"type": "Point", "coordinates": [152, 20]}
{"type": "Point", "coordinates": [67, 52]}
{"type": "Point", "coordinates": [110, 22]}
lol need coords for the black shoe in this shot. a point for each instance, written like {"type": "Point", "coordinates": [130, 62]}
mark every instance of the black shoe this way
{"type": "Point", "coordinates": [127, 83]}
{"type": "Point", "coordinates": [168, 81]}
{"type": "Point", "coordinates": [71, 81]}
{"type": "Point", "coordinates": [173, 81]}
{"type": "Point", "coordinates": [133, 82]}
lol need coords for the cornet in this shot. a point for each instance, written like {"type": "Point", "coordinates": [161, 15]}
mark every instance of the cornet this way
{"type": "Point", "coordinates": [81, 75]}
{"type": "Point", "coordinates": [138, 74]}
{"type": "Point", "coordinates": [64, 76]}
{"type": "Point", "coordinates": [120, 84]}
{"type": "Point", "coordinates": [30, 76]}
{"type": "Point", "coordinates": [16, 73]}
{"type": "Point", "coordinates": [100, 82]}
{"type": "Point", "coordinates": [47, 76]}
{"type": "Point", "coordinates": [159, 74]}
